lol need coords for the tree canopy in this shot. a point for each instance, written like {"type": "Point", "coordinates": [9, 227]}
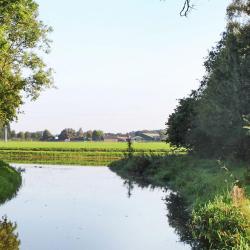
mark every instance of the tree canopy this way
{"type": "Point", "coordinates": [67, 134]}
{"type": "Point", "coordinates": [97, 135]}
{"type": "Point", "coordinates": [23, 73]}
{"type": "Point", "coordinates": [46, 135]}
{"type": "Point", "coordinates": [214, 119]}
{"type": "Point", "coordinates": [8, 235]}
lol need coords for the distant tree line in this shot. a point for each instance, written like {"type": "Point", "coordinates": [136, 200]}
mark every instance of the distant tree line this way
{"type": "Point", "coordinates": [69, 134]}
{"type": "Point", "coordinates": [66, 134]}
{"type": "Point", "coordinates": [29, 136]}
{"type": "Point", "coordinates": [214, 120]}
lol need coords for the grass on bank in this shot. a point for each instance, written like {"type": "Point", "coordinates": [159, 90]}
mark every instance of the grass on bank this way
{"type": "Point", "coordinates": [194, 178]}
{"type": "Point", "coordinates": [206, 185]}
{"type": "Point", "coordinates": [10, 181]}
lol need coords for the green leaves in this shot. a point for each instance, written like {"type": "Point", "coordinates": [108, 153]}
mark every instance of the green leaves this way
{"type": "Point", "coordinates": [221, 224]}
{"type": "Point", "coordinates": [215, 125]}
{"type": "Point", "coordinates": [23, 73]}
{"type": "Point", "coordinates": [8, 235]}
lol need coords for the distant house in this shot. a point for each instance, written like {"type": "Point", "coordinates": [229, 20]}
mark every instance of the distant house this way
{"type": "Point", "coordinates": [122, 138]}
{"type": "Point", "coordinates": [151, 136]}
{"type": "Point", "coordinates": [137, 138]}
{"type": "Point", "coordinates": [110, 138]}
{"type": "Point", "coordinates": [147, 137]}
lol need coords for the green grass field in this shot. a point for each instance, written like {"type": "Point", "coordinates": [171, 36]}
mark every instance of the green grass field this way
{"type": "Point", "coordinates": [76, 153]}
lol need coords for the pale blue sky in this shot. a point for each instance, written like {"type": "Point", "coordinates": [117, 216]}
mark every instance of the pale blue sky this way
{"type": "Point", "coordinates": [121, 65]}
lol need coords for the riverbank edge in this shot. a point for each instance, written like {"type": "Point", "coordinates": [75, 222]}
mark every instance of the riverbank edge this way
{"type": "Point", "coordinates": [10, 181]}
{"type": "Point", "coordinates": [206, 186]}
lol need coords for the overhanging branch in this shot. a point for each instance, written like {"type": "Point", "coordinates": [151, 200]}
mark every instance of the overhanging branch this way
{"type": "Point", "coordinates": [187, 6]}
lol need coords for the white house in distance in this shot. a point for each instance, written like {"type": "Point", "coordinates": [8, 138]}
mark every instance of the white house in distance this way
{"type": "Point", "coordinates": [147, 137]}
{"type": "Point", "coordinates": [138, 136]}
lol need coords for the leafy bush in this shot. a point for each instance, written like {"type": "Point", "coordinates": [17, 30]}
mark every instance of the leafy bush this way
{"type": "Point", "coordinates": [8, 237]}
{"type": "Point", "coordinates": [221, 225]}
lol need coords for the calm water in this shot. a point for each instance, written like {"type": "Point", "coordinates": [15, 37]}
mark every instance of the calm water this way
{"type": "Point", "coordinates": [88, 208]}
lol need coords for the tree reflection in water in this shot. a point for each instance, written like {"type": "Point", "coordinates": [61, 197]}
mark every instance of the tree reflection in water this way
{"type": "Point", "coordinates": [8, 236]}
{"type": "Point", "coordinates": [130, 187]}
{"type": "Point", "coordinates": [177, 213]}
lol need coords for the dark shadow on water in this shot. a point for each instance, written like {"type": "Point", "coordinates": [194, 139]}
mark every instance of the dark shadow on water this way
{"type": "Point", "coordinates": [8, 235]}
{"type": "Point", "coordinates": [130, 186]}
{"type": "Point", "coordinates": [5, 198]}
{"type": "Point", "coordinates": [177, 213]}
{"type": "Point", "coordinates": [179, 218]}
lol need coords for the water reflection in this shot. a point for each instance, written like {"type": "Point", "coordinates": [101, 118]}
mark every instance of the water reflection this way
{"type": "Point", "coordinates": [177, 212]}
{"type": "Point", "coordinates": [8, 236]}
{"type": "Point", "coordinates": [70, 206]}
{"type": "Point", "coordinates": [130, 187]}
{"type": "Point", "coordinates": [179, 218]}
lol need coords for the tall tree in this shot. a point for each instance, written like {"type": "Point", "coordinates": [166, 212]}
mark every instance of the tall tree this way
{"type": "Point", "coordinates": [88, 135]}
{"type": "Point", "coordinates": [37, 136]}
{"type": "Point", "coordinates": [12, 134]}
{"type": "Point", "coordinates": [27, 135]}
{"type": "Point", "coordinates": [46, 135]}
{"type": "Point", "coordinates": [97, 135]}
{"type": "Point", "coordinates": [180, 123]}
{"type": "Point", "coordinates": [23, 38]}
{"type": "Point", "coordinates": [67, 134]}
{"type": "Point", "coordinates": [219, 123]}
{"type": "Point", "coordinates": [20, 135]}
{"type": "Point", "coordinates": [80, 133]}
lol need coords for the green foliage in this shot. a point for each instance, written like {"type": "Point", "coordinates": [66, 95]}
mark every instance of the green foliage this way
{"type": "Point", "coordinates": [10, 181]}
{"type": "Point", "coordinates": [88, 135]}
{"type": "Point", "coordinates": [97, 135]}
{"type": "Point", "coordinates": [20, 135]}
{"type": "Point", "coordinates": [179, 125]}
{"type": "Point", "coordinates": [22, 70]}
{"type": "Point", "coordinates": [8, 236]}
{"type": "Point", "coordinates": [46, 135]}
{"type": "Point", "coordinates": [221, 225]}
{"type": "Point", "coordinates": [80, 133]}
{"type": "Point", "coordinates": [67, 134]}
{"type": "Point", "coordinates": [27, 135]}
{"type": "Point", "coordinates": [216, 222]}
{"type": "Point", "coordinates": [195, 179]}
{"type": "Point", "coordinates": [212, 121]}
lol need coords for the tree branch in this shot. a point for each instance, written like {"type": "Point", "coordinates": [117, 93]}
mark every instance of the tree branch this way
{"type": "Point", "coordinates": [187, 6]}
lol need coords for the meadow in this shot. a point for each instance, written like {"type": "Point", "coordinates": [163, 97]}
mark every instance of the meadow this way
{"type": "Point", "coordinates": [75, 153]}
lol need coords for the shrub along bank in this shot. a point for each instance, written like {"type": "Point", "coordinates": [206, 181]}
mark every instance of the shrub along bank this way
{"type": "Point", "coordinates": [213, 190]}
{"type": "Point", "coordinates": [10, 181]}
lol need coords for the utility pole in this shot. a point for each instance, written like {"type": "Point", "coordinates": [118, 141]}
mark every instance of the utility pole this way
{"type": "Point", "coordinates": [5, 133]}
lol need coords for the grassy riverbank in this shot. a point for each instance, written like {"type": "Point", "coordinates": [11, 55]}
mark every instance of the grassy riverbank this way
{"type": "Point", "coordinates": [218, 218]}
{"type": "Point", "coordinates": [10, 181]}
{"type": "Point", "coordinates": [74, 153]}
